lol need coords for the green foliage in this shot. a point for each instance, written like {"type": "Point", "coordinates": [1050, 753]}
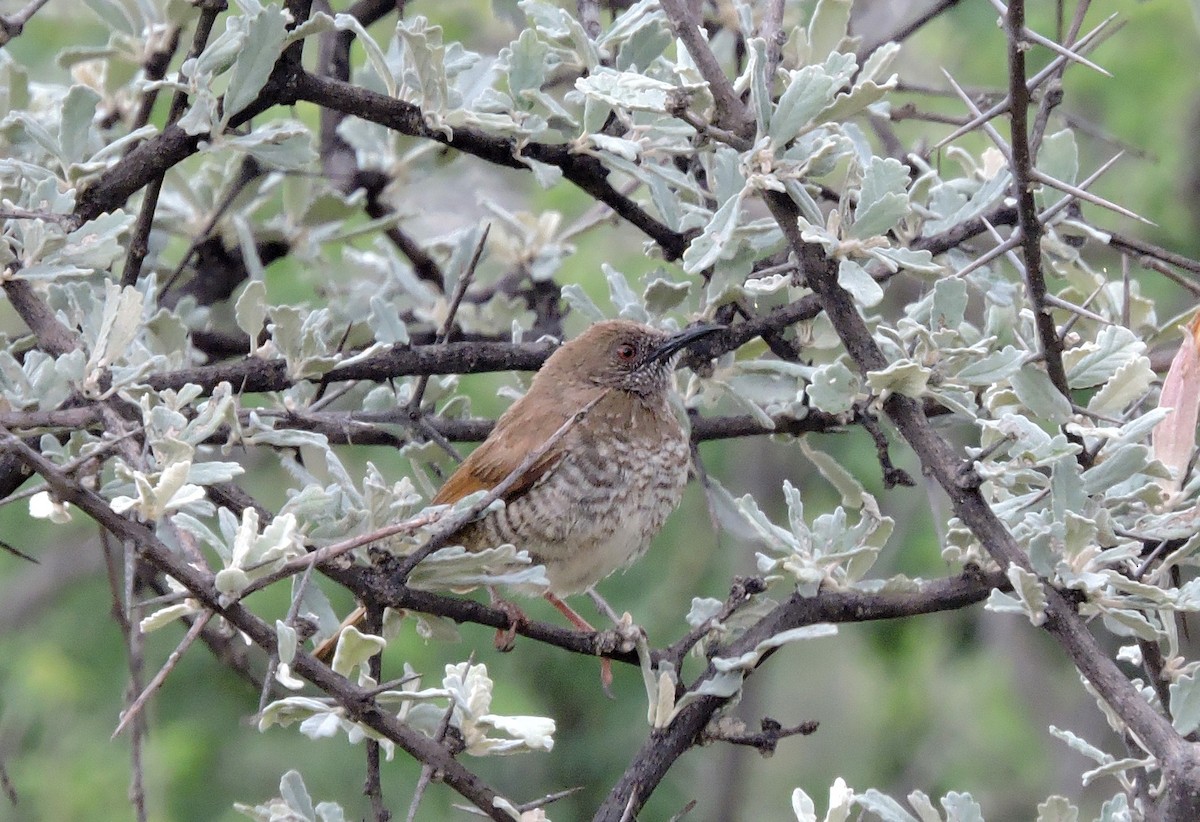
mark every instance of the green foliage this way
{"type": "Point", "coordinates": [1063, 459]}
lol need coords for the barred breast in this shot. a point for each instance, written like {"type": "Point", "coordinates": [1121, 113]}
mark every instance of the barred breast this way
{"type": "Point", "coordinates": [597, 510]}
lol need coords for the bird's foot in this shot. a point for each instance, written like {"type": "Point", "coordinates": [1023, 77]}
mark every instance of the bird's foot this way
{"type": "Point", "coordinates": [606, 672]}
{"type": "Point", "coordinates": [506, 638]}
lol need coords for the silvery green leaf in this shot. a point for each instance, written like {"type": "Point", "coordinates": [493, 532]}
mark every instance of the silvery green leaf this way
{"type": "Point", "coordinates": [579, 301]}
{"type": "Point", "coordinates": [283, 144]}
{"type": "Point", "coordinates": [167, 615]}
{"type": "Point", "coordinates": [750, 659]}
{"type": "Point", "coordinates": [1038, 394]}
{"type": "Point", "coordinates": [903, 377]}
{"type": "Point", "coordinates": [703, 609]}
{"type": "Point", "coordinates": [955, 206]}
{"type": "Point", "coordinates": [295, 794]}
{"type": "Point", "coordinates": [865, 93]}
{"type": "Point", "coordinates": [115, 16]}
{"type": "Point", "coordinates": [96, 244]}
{"type": "Point", "coordinates": [723, 684]}
{"type": "Point", "coordinates": [354, 649]}
{"type": "Point", "coordinates": [989, 370]}
{"type": "Point", "coordinates": [455, 567]}
{"type": "Point", "coordinates": [851, 489]}
{"type": "Point", "coordinates": [861, 285]}
{"type": "Point", "coordinates": [120, 324]}
{"type": "Point", "coordinates": [1092, 363]}
{"type": "Point", "coordinates": [949, 303]}
{"type": "Point", "coordinates": [260, 51]}
{"type": "Point", "coordinates": [250, 310]}
{"type": "Point", "coordinates": [883, 199]}
{"type": "Point", "coordinates": [1030, 597]}
{"type": "Point", "coordinates": [920, 261]}
{"type": "Point", "coordinates": [212, 473]}
{"type": "Point", "coordinates": [1119, 464]}
{"type": "Point", "coordinates": [1080, 745]}
{"type": "Point", "coordinates": [810, 90]}
{"type": "Point", "coordinates": [803, 806]}
{"type": "Point", "coordinates": [961, 807]}
{"type": "Point", "coordinates": [643, 46]}
{"type": "Point", "coordinates": [833, 388]}
{"type": "Point", "coordinates": [828, 27]}
{"type": "Point", "coordinates": [385, 323]}
{"type": "Point", "coordinates": [629, 150]}
{"type": "Point", "coordinates": [623, 296]}
{"type": "Point", "coordinates": [286, 640]}
{"type": "Point", "coordinates": [880, 804]}
{"type": "Point", "coordinates": [634, 91]}
{"type": "Point", "coordinates": [662, 295]}
{"type": "Point", "coordinates": [1115, 810]}
{"type": "Point", "coordinates": [714, 242]}
{"type": "Point", "coordinates": [1126, 622]}
{"type": "Point", "coordinates": [760, 85]}
{"type": "Point", "coordinates": [78, 110]}
{"type": "Point", "coordinates": [1058, 156]}
{"type": "Point", "coordinates": [1128, 383]}
{"type": "Point", "coordinates": [879, 61]}
{"type": "Point", "coordinates": [1116, 768]}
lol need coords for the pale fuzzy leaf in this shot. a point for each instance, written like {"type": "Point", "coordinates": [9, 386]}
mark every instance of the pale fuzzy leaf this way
{"type": "Point", "coordinates": [883, 806]}
{"type": "Point", "coordinates": [167, 615]}
{"type": "Point", "coordinates": [1057, 809]}
{"type": "Point", "coordinates": [1038, 394]}
{"type": "Point", "coordinates": [1093, 363]}
{"type": "Point", "coordinates": [961, 807]}
{"type": "Point", "coordinates": [256, 59]}
{"type": "Point", "coordinates": [633, 91]}
{"type": "Point", "coordinates": [750, 659]}
{"type": "Point", "coordinates": [859, 283]}
{"type": "Point", "coordinates": [991, 369]}
{"type": "Point", "coordinates": [579, 301]}
{"type": "Point", "coordinates": [803, 807]}
{"type": "Point", "coordinates": [832, 470]}
{"type": "Point", "coordinates": [1185, 704]}
{"type": "Point", "coordinates": [905, 377]}
{"type": "Point", "coordinates": [355, 648]}
{"type": "Point", "coordinates": [883, 198]}
{"type": "Point", "coordinates": [810, 90]}
{"type": "Point", "coordinates": [833, 388]}
{"type": "Point", "coordinates": [662, 295]}
{"type": "Point", "coordinates": [1129, 383]}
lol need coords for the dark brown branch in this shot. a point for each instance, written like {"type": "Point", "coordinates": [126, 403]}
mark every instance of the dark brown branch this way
{"type": "Point", "coordinates": [1027, 211]}
{"type": "Point", "coordinates": [11, 25]}
{"type": "Point", "coordinates": [664, 746]}
{"type": "Point", "coordinates": [584, 171]}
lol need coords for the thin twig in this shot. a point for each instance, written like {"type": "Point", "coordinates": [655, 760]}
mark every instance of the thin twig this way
{"type": "Point", "coordinates": [130, 713]}
{"type": "Point", "coordinates": [139, 245]}
{"type": "Point", "coordinates": [13, 24]}
{"type": "Point", "coordinates": [443, 334]}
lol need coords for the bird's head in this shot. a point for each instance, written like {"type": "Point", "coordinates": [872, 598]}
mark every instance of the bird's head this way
{"type": "Point", "coordinates": [625, 355]}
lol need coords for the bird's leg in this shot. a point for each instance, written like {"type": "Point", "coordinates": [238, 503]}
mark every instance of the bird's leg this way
{"type": "Point", "coordinates": [506, 637]}
{"type": "Point", "coordinates": [606, 674]}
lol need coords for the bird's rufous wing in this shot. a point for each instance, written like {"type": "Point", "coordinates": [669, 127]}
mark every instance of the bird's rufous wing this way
{"type": "Point", "coordinates": [515, 437]}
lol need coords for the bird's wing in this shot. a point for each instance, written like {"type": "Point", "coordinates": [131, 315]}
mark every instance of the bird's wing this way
{"type": "Point", "coordinates": [502, 453]}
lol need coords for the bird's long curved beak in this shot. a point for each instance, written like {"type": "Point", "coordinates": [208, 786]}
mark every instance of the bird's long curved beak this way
{"type": "Point", "coordinates": [676, 342]}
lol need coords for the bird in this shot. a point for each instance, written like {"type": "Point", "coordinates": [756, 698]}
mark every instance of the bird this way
{"type": "Point", "coordinates": [591, 504]}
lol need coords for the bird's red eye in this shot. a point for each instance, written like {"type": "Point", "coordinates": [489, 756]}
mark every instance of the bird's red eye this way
{"type": "Point", "coordinates": [626, 352]}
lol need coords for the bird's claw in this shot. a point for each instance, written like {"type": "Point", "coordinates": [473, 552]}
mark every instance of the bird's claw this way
{"type": "Point", "coordinates": [506, 637]}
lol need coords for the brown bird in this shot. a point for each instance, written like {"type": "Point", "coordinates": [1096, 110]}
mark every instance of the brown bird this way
{"type": "Point", "coordinates": [598, 496]}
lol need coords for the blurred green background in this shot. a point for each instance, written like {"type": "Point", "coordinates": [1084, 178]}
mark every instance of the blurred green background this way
{"type": "Point", "coordinates": [948, 702]}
